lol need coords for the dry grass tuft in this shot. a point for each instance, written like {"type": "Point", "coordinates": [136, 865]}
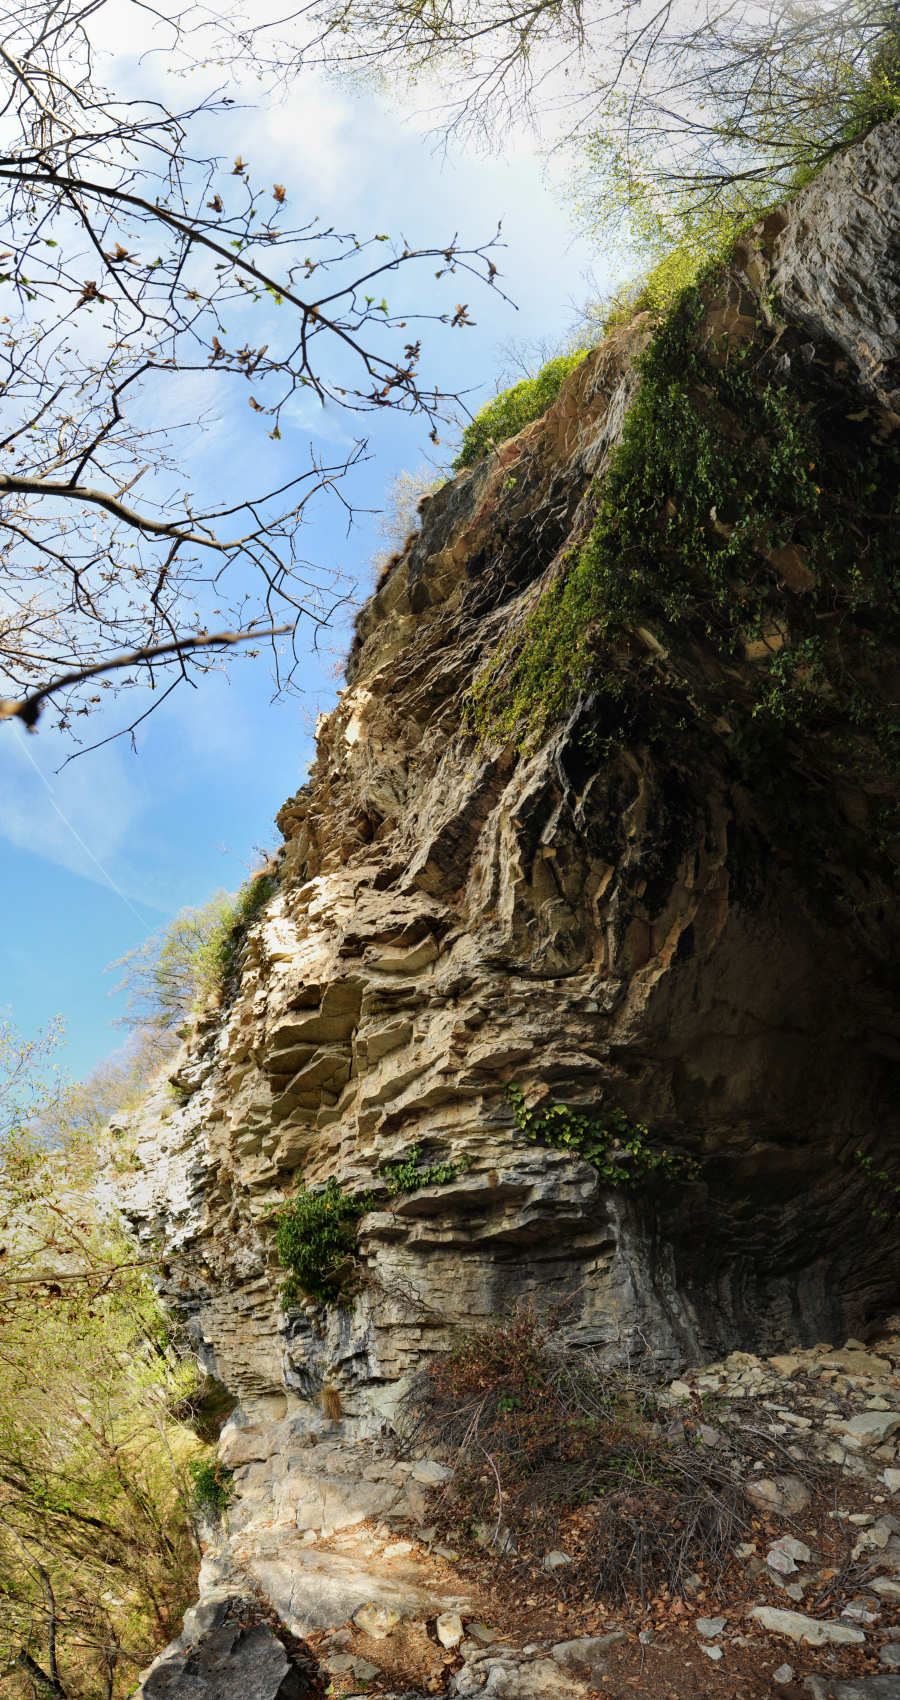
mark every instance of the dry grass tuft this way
{"type": "Point", "coordinates": [331, 1404]}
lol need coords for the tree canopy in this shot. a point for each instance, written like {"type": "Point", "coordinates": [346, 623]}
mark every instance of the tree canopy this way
{"type": "Point", "coordinates": [682, 117]}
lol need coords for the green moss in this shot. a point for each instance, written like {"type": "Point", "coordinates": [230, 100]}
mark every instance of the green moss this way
{"type": "Point", "coordinates": [652, 621]}
{"type": "Point", "coordinates": [720, 466]}
{"type": "Point", "coordinates": [514, 408]}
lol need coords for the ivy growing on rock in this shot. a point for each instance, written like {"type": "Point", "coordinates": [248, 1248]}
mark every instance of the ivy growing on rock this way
{"type": "Point", "coordinates": [618, 1148]}
{"type": "Point", "coordinates": [315, 1231]}
{"type": "Point", "coordinates": [885, 1188]}
{"type": "Point", "coordinates": [410, 1175]}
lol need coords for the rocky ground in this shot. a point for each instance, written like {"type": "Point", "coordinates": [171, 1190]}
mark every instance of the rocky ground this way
{"type": "Point", "coordinates": [806, 1607]}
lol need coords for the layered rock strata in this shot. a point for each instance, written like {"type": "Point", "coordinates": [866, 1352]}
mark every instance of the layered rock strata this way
{"type": "Point", "coordinates": [455, 916]}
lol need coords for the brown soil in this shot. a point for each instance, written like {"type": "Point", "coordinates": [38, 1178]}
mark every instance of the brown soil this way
{"type": "Point", "coordinates": [526, 1606]}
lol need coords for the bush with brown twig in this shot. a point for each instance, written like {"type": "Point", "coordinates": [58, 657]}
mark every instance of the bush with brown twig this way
{"type": "Point", "coordinates": [536, 1429]}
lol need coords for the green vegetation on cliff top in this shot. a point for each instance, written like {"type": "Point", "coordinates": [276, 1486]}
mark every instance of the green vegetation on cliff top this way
{"type": "Point", "coordinates": [738, 583]}
{"type": "Point", "coordinates": [514, 408]}
{"type": "Point", "coordinates": [169, 977]}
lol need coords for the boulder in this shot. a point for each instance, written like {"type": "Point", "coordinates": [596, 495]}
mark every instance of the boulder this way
{"type": "Point", "coordinates": [231, 1663]}
{"type": "Point", "coordinates": [853, 1688]}
{"type": "Point", "coordinates": [588, 1654]}
{"type": "Point", "coordinates": [377, 1621]}
{"type": "Point", "coordinates": [872, 1428]}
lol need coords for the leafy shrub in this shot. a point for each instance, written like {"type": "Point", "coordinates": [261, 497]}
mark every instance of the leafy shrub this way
{"type": "Point", "coordinates": [315, 1237]}
{"type": "Point", "coordinates": [514, 408]}
{"type": "Point", "coordinates": [706, 243]}
{"type": "Point", "coordinates": [535, 1428]}
{"type": "Point", "coordinates": [619, 1149]}
{"type": "Point", "coordinates": [315, 1232]}
{"type": "Point", "coordinates": [224, 949]}
{"type": "Point", "coordinates": [212, 1485]}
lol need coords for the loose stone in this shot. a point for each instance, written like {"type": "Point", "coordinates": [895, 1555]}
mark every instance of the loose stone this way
{"type": "Point", "coordinates": [377, 1621]}
{"type": "Point", "coordinates": [809, 1629]}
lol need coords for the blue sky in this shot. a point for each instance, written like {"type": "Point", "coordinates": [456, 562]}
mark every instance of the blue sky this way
{"type": "Point", "coordinates": [95, 856]}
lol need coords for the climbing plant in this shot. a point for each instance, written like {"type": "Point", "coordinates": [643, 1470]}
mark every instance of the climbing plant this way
{"type": "Point", "coordinates": [738, 583]}
{"type": "Point", "coordinates": [884, 1188]}
{"type": "Point", "coordinates": [619, 1149]}
{"type": "Point", "coordinates": [315, 1231]}
{"type": "Point", "coordinates": [410, 1174]}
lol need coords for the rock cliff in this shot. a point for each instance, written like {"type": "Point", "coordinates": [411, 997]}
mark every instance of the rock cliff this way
{"type": "Point", "coordinates": [615, 923]}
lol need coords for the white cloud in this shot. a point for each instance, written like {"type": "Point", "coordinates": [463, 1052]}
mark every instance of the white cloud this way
{"type": "Point", "coordinates": [308, 135]}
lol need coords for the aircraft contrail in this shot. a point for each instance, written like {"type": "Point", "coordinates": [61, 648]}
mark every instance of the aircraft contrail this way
{"type": "Point", "coordinates": [77, 835]}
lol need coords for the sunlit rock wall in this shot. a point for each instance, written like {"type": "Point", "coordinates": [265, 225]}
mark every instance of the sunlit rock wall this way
{"type": "Point", "coordinates": [454, 917]}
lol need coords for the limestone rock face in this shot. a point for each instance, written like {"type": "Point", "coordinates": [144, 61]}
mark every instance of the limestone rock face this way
{"type": "Point", "coordinates": [453, 917]}
{"type": "Point", "coordinates": [838, 260]}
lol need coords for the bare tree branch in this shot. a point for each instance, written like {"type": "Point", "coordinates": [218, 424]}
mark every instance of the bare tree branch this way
{"type": "Point", "coordinates": [28, 711]}
{"type": "Point", "coordinates": [127, 250]}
